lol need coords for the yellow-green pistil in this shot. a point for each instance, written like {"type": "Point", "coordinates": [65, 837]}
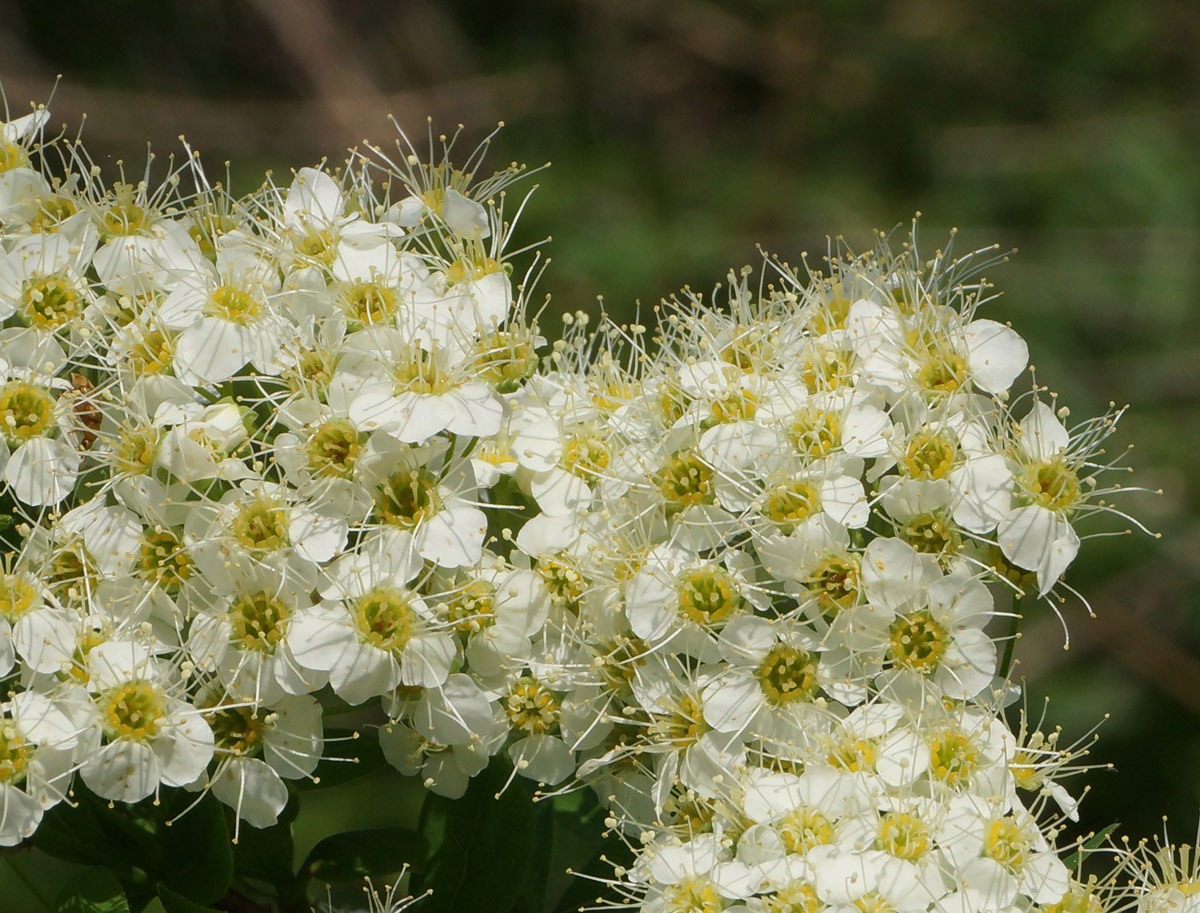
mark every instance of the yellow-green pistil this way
{"type": "Point", "coordinates": [257, 620]}
{"type": "Point", "coordinates": [531, 706]}
{"type": "Point", "coordinates": [917, 641]}
{"type": "Point", "coordinates": [164, 560]}
{"type": "Point", "coordinates": [1053, 484]}
{"type": "Point", "coordinates": [686, 481]}
{"type": "Point", "coordinates": [236, 730]}
{"type": "Point", "coordinates": [234, 304]}
{"type": "Point", "coordinates": [48, 302]}
{"type": "Point", "coordinates": [384, 618]}
{"type": "Point", "coordinates": [261, 526]}
{"type": "Point", "coordinates": [407, 497]}
{"type": "Point", "coordinates": [788, 674]}
{"type": "Point", "coordinates": [26, 412]}
{"type": "Point", "coordinates": [15, 753]}
{"type": "Point", "coordinates": [334, 449]}
{"type": "Point", "coordinates": [133, 711]}
{"type": "Point", "coordinates": [709, 596]}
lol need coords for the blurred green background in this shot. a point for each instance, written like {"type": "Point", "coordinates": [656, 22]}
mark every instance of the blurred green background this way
{"type": "Point", "coordinates": [683, 132]}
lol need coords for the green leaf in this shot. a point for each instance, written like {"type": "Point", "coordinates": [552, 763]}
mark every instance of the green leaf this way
{"type": "Point", "coordinates": [197, 855]}
{"type": "Point", "coordinates": [346, 758]}
{"type": "Point", "coordinates": [1072, 862]}
{"type": "Point", "coordinates": [266, 854]}
{"type": "Point", "coordinates": [91, 833]}
{"type": "Point", "coordinates": [96, 890]}
{"type": "Point", "coordinates": [355, 854]}
{"type": "Point", "coordinates": [176, 903]}
{"type": "Point", "coordinates": [480, 846]}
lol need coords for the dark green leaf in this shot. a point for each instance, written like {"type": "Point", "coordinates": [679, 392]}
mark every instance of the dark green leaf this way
{"type": "Point", "coordinates": [176, 903]}
{"type": "Point", "coordinates": [96, 890]}
{"type": "Point", "coordinates": [1072, 862]}
{"type": "Point", "coordinates": [346, 758]}
{"type": "Point", "coordinates": [480, 846]}
{"type": "Point", "coordinates": [355, 854]}
{"type": "Point", "coordinates": [197, 855]}
{"type": "Point", "coordinates": [90, 833]}
{"type": "Point", "coordinates": [265, 853]}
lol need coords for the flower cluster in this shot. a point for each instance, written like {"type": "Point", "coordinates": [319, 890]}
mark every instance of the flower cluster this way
{"type": "Point", "coordinates": [743, 577]}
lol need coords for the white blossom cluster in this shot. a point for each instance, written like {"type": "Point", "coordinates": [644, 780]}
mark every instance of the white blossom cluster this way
{"type": "Point", "coordinates": [746, 579]}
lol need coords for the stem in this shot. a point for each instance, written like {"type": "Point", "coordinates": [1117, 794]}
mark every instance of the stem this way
{"type": "Point", "coordinates": [29, 883]}
{"type": "Point", "coordinates": [1006, 663]}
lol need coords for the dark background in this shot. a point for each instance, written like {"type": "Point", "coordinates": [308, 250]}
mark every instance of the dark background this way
{"type": "Point", "coordinates": [683, 132]}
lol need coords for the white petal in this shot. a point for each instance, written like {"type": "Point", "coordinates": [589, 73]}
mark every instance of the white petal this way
{"type": "Point", "coordinates": [253, 789]}
{"type": "Point", "coordinates": [1042, 434]}
{"type": "Point", "coordinates": [20, 814]}
{"type": "Point", "coordinates": [42, 471]}
{"type": "Point", "coordinates": [426, 660]}
{"type": "Point", "coordinates": [123, 771]}
{"type": "Point", "coordinates": [543, 758]}
{"type": "Point", "coordinates": [1038, 539]}
{"type": "Point", "coordinates": [731, 702]}
{"type": "Point", "coordinates": [184, 747]}
{"type": "Point", "coordinates": [996, 354]}
{"type": "Point", "coordinates": [454, 536]}
{"type": "Point", "coordinates": [211, 351]}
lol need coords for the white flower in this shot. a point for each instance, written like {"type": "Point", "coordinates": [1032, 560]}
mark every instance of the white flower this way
{"type": "Point", "coordinates": [372, 633]}
{"type": "Point", "coordinates": [151, 737]}
{"type": "Point", "coordinates": [36, 757]}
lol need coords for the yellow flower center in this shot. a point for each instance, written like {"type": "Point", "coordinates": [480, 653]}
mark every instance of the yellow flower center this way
{"type": "Point", "coordinates": [804, 829]}
{"type": "Point", "coordinates": [152, 354]}
{"type": "Point", "coordinates": [318, 245]}
{"type": "Point", "coordinates": [407, 497]}
{"type": "Point", "coordinates": [917, 641]}
{"type": "Point", "coordinates": [682, 723]}
{"type": "Point", "coordinates": [787, 674]}
{"type": "Point", "coordinates": [1052, 484]}
{"type": "Point", "coordinates": [14, 753]}
{"type": "Point", "coordinates": [942, 373]}
{"type": "Point", "coordinates": [12, 156]}
{"type": "Point", "coordinates": [709, 596]}
{"type": "Point", "coordinates": [563, 580]}
{"type": "Point", "coordinates": [794, 897]}
{"type": "Point", "coordinates": [506, 359]}
{"type": "Point", "coordinates": [367, 303]}
{"type": "Point", "coordinates": [234, 304]}
{"type": "Point", "coordinates": [531, 706]}
{"type": "Point", "coordinates": [929, 455]}
{"type": "Point", "coordinates": [693, 895]}
{"type": "Point", "coordinates": [334, 449]}
{"type": "Point", "coordinates": [1006, 843]}
{"type": "Point", "coordinates": [135, 450]}
{"type": "Point", "coordinates": [26, 412]}
{"type": "Point", "coordinates": [685, 482]}
{"type": "Point", "coordinates": [933, 533]}
{"type": "Point", "coordinates": [165, 560]}
{"type": "Point", "coordinates": [384, 618]}
{"type": "Point", "coordinates": [472, 608]}
{"type": "Point", "coordinates": [236, 730]}
{"type": "Point", "coordinates": [585, 455]}
{"type": "Point", "coordinates": [49, 302]}
{"type": "Point", "coordinates": [954, 757]}
{"type": "Point", "coordinates": [815, 432]}
{"type": "Point", "coordinates": [132, 711]}
{"type": "Point", "coordinates": [261, 526]}
{"type": "Point", "coordinates": [17, 596]}
{"type": "Point", "coordinates": [835, 582]}
{"type": "Point", "coordinates": [792, 502]}
{"type": "Point", "coordinates": [258, 620]}
{"type": "Point", "coordinates": [853, 754]}
{"type": "Point", "coordinates": [903, 835]}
